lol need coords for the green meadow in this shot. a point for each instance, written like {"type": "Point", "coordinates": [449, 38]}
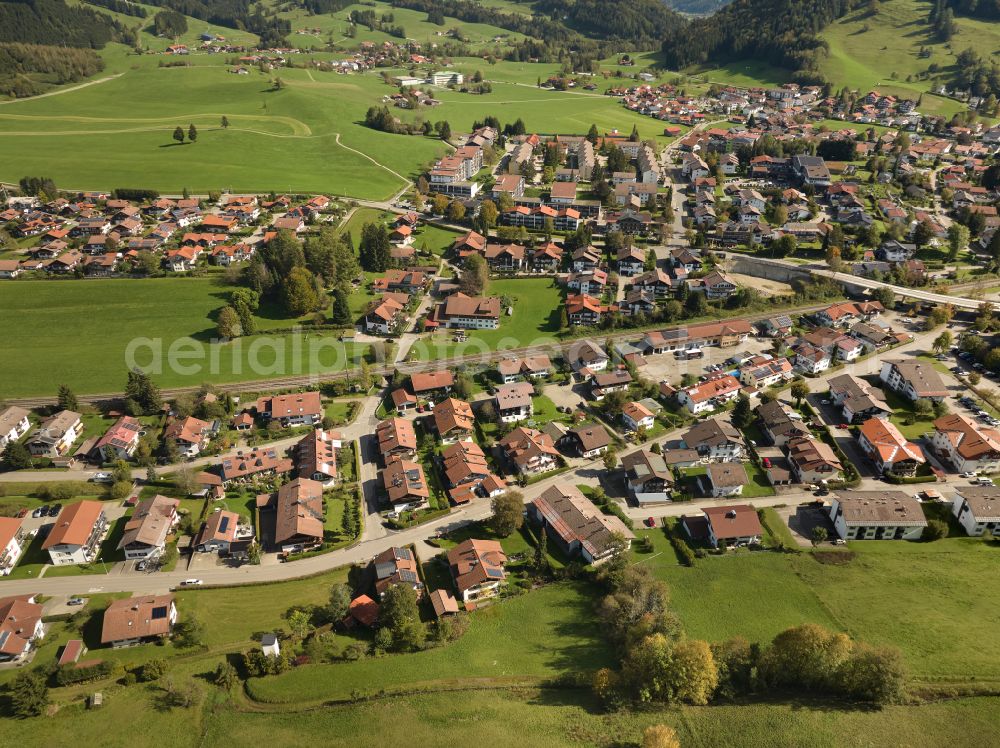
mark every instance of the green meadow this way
{"type": "Point", "coordinates": [78, 333]}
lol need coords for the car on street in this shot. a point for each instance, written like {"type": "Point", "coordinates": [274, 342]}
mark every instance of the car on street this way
{"type": "Point", "coordinates": [192, 583]}
{"type": "Point", "coordinates": [985, 481]}
{"type": "Point", "coordinates": [968, 474]}
{"type": "Point", "coordinates": [75, 601]}
{"type": "Point", "coordinates": [103, 478]}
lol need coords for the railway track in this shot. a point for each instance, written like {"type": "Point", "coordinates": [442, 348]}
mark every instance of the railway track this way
{"type": "Point", "coordinates": [386, 370]}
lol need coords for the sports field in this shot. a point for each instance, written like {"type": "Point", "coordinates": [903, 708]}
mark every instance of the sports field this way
{"type": "Point", "coordinates": [78, 333]}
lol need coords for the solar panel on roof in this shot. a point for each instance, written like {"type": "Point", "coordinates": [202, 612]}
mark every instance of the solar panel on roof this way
{"type": "Point", "coordinates": [224, 524]}
{"type": "Point", "coordinates": [407, 576]}
{"type": "Point", "coordinates": [494, 573]}
{"type": "Point", "coordinates": [159, 612]}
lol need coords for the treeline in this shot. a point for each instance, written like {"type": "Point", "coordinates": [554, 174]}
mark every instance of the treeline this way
{"type": "Point", "coordinates": [318, 7]}
{"type": "Point", "coordinates": [54, 22]}
{"type": "Point", "coordinates": [243, 15]}
{"type": "Point", "coordinates": [121, 6]}
{"type": "Point", "coordinates": [28, 69]}
{"type": "Point", "coordinates": [782, 32]}
{"type": "Point", "coordinates": [978, 75]}
{"type": "Point", "coordinates": [989, 9]}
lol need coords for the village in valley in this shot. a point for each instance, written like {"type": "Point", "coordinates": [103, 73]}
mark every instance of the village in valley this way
{"type": "Point", "coordinates": [295, 452]}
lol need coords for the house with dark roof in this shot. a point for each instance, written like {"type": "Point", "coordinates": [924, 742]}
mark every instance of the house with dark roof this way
{"type": "Point", "coordinates": [647, 477]}
{"type": "Point", "coordinates": [724, 479]}
{"type": "Point", "coordinates": [298, 514]}
{"type": "Point", "coordinates": [589, 440]}
{"type": "Point", "coordinates": [715, 440]}
{"type": "Point", "coordinates": [877, 515]}
{"type": "Point", "coordinates": [977, 508]}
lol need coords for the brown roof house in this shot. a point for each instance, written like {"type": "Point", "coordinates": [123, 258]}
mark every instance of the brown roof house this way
{"type": "Point", "coordinates": [913, 379]}
{"type": "Point", "coordinates": [578, 526]}
{"type": "Point", "coordinates": [298, 519]}
{"type": "Point", "coordinates": [20, 626]}
{"type": "Point", "coordinates": [813, 461]}
{"type": "Point", "coordinates": [405, 484]}
{"type": "Point", "coordinates": [147, 529]}
{"type": "Point", "coordinates": [135, 620]}
{"type": "Point", "coordinates": [396, 438]}
{"type": "Point", "coordinates": [530, 451]}
{"type": "Point", "coordinates": [454, 421]}
{"type": "Point", "coordinates": [316, 456]}
{"type": "Point", "coordinates": [218, 533]}
{"type": "Point", "coordinates": [76, 536]}
{"type": "Point", "coordinates": [732, 525]}
{"type": "Point", "coordinates": [477, 566]}
{"type": "Point", "coordinates": [301, 408]}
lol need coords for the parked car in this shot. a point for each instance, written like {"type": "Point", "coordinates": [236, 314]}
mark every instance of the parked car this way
{"type": "Point", "coordinates": [650, 522]}
{"type": "Point", "coordinates": [76, 601]}
{"type": "Point", "coordinates": [103, 478]}
{"type": "Point", "coordinates": [192, 583]}
{"type": "Point", "coordinates": [54, 510]}
{"type": "Point", "coordinates": [22, 513]}
{"type": "Point", "coordinates": [827, 402]}
{"type": "Point", "coordinates": [767, 462]}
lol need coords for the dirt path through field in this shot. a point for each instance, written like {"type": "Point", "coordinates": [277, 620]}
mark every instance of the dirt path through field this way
{"type": "Point", "coordinates": [64, 90]}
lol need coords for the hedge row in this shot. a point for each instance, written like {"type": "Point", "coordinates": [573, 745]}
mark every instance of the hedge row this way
{"type": "Point", "coordinates": [66, 676]}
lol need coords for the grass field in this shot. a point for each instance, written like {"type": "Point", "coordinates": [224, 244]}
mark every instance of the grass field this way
{"type": "Point", "coordinates": [65, 339]}
{"type": "Point", "coordinates": [883, 51]}
{"type": "Point", "coordinates": [541, 634]}
{"type": "Point", "coordinates": [333, 27]}
{"type": "Point", "coordinates": [301, 136]}
{"type": "Point", "coordinates": [929, 599]}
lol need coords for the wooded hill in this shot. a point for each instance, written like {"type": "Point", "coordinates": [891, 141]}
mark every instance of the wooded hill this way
{"type": "Point", "coordinates": [53, 22]}
{"type": "Point", "coordinates": [29, 69]}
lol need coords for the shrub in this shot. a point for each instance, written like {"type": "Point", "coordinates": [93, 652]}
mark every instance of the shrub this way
{"type": "Point", "coordinates": [935, 530]}
{"type": "Point", "coordinates": [153, 670]}
{"type": "Point", "coordinates": [684, 552]}
{"type": "Point", "coordinates": [67, 675]}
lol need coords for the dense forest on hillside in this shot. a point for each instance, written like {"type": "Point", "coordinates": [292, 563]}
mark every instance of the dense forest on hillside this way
{"type": "Point", "coordinates": [642, 22]}
{"type": "Point", "coordinates": [53, 22]}
{"type": "Point", "coordinates": [28, 69]}
{"type": "Point", "coordinates": [781, 32]}
{"type": "Point", "coordinates": [988, 9]}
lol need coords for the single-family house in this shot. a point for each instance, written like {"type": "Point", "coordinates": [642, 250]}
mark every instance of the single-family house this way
{"type": "Point", "coordinates": [477, 567]}
{"type": "Point", "coordinates": [134, 620]}
{"type": "Point", "coordinates": [886, 446]}
{"type": "Point", "coordinates": [146, 531]}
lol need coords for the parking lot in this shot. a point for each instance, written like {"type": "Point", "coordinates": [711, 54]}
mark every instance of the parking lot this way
{"type": "Point", "coordinates": [665, 367]}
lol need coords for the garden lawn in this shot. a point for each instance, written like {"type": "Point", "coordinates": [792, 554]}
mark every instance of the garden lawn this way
{"type": "Point", "coordinates": [65, 326]}
{"type": "Point", "coordinates": [541, 634]}
{"type": "Point", "coordinates": [535, 321]}
{"type": "Point", "coordinates": [758, 484]}
{"type": "Point", "coordinates": [750, 594]}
